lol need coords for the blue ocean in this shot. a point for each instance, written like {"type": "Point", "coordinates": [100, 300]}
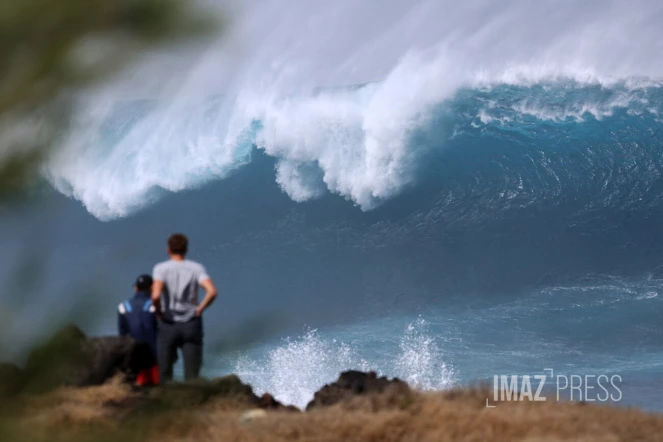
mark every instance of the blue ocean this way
{"type": "Point", "coordinates": [437, 192]}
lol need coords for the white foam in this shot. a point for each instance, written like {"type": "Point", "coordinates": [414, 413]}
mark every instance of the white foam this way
{"type": "Point", "coordinates": [421, 362]}
{"type": "Point", "coordinates": [356, 143]}
{"type": "Point", "coordinates": [294, 370]}
{"type": "Point", "coordinates": [358, 139]}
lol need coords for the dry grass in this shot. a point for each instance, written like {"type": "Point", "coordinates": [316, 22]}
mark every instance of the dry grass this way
{"type": "Point", "coordinates": [452, 416]}
{"type": "Point", "coordinates": [73, 407]}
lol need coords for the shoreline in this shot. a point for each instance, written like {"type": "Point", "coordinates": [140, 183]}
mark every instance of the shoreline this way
{"type": "Point", "coordinates": [360, 406]}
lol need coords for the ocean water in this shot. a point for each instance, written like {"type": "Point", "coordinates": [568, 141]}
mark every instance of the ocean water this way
{"type": "Point", "coordinates": [440, 192]}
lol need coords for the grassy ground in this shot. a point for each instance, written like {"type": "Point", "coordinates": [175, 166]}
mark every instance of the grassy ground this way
{"type": "Point", "coordinates": [113, 413]}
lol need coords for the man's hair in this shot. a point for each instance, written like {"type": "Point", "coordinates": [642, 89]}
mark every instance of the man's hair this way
{"type": "Point", "coordinates": [178, 244]}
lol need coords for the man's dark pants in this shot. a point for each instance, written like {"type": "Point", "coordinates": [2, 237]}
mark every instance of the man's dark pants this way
{"type": "Point", "coordinates": [185, 335]}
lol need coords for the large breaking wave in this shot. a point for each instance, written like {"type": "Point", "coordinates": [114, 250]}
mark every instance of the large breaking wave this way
{"type": "Point", "coordinates": [513, 81]}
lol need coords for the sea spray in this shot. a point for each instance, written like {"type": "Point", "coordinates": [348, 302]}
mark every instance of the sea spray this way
{"type": "Point", "coordinates": [294, 369]}
{"type": "Point", "coordinates": [421, 362]}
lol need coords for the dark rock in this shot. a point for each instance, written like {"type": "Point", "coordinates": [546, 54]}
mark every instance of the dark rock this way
{"type": "Point", "coordinates": [71, 359]}
{"type": "Point", "coordinates": [191, 395]}
{"type": "Point", "coordinates": [195, 393]}
{"type": "Point", "coordinates": [12, 380]}
{"type": "Point", "coordinates": [356, 383]}
{"type": "Point", "coordinates": [109, 356]}
{"type": "Point", "coordinates": [268, 402]}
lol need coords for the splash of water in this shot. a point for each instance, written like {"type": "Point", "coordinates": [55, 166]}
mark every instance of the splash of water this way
{"type": "Point", "coordinates": [296, 369]}
{"type": "Point", "coordinates": [293, 371]}
{"type": "Point", "coordinates": [420, 362]}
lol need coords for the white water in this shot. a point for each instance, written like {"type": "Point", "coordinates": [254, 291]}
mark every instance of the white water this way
{"type": "Point", "coordinates": [276, 55]}
{"type": "Point", "coordinates": [294, 370]}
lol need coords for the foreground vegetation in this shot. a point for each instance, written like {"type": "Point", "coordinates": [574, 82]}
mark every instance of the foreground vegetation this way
{"type": "Point", "coordinates": [79, 388]}
{"type": "Point", "coordinates": [113, 412]}
{"type": "Point", "coordinates": [54, 50]}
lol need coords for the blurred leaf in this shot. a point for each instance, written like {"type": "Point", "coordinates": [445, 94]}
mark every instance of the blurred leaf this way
{"type": "Point", "coordinates": [52, 49]}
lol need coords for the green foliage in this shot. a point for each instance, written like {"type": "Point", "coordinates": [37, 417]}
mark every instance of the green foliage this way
{"type": "Point", "coordinates": [12, 380]}
{"type": "Point", "coordinates": [51, 49]}
{"type": "Point", "coordinates": [50, 365]}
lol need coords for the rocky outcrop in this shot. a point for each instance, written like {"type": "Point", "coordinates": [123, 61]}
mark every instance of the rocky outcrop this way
{"type": "Point", "coordinates": [72, 359]}
{"type": "Point", "coordinates": [267, 402]}
{"type": "Point", "coordinates": [356, 383]}
{"type": "Point", "coordinates": [188, 395]}
{"type": "Point", "coordinates": [195, 393]}
{"type": "Point", "coordinates": [227, 392]}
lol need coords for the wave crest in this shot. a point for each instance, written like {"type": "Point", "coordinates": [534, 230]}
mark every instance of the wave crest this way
{"type": "Point", "coordinates": [359, 142]}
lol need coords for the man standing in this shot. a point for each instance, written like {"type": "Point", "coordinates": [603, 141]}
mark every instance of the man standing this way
{"type": "Point", "coordinates": [136, 318]}
{"type": "Point", "coordinates": [175, 297]}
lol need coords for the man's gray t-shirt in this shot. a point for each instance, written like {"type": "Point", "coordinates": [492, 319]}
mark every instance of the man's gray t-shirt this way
{"type": "Point", "coordinates": [181, 279]}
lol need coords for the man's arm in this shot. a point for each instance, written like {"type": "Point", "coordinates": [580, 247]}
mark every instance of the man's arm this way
{"type": "Point", "coordinates": [157, 288]}
{"type": "Point", "coordinates": [210, 296]}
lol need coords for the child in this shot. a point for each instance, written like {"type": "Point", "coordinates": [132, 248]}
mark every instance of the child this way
{"type": "Point", "coordinates": [137, 318]}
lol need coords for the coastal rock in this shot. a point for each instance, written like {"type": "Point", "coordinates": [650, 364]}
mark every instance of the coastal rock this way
{"type": "Point", "coordinates": [69, 358]}
{"type": "Point", "coordinates": [195, 393]}
{"type": "Point", "coordinates": [110, 356]}
{"type": "Point", "coordinates": [191, 394]}
{"type": "Point", "coordinates": [224, 393]}
{"type": "Point", "coordinates": [356, 383]}
{"type": "Point", "coordinates": [268, 402]}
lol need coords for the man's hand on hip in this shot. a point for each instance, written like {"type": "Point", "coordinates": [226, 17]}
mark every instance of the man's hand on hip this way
{"type": "Point", "coordinates": [210, 295]}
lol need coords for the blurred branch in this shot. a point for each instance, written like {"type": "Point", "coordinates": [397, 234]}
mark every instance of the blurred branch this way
{"type": "Point", "coordinates": [52, 49]}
